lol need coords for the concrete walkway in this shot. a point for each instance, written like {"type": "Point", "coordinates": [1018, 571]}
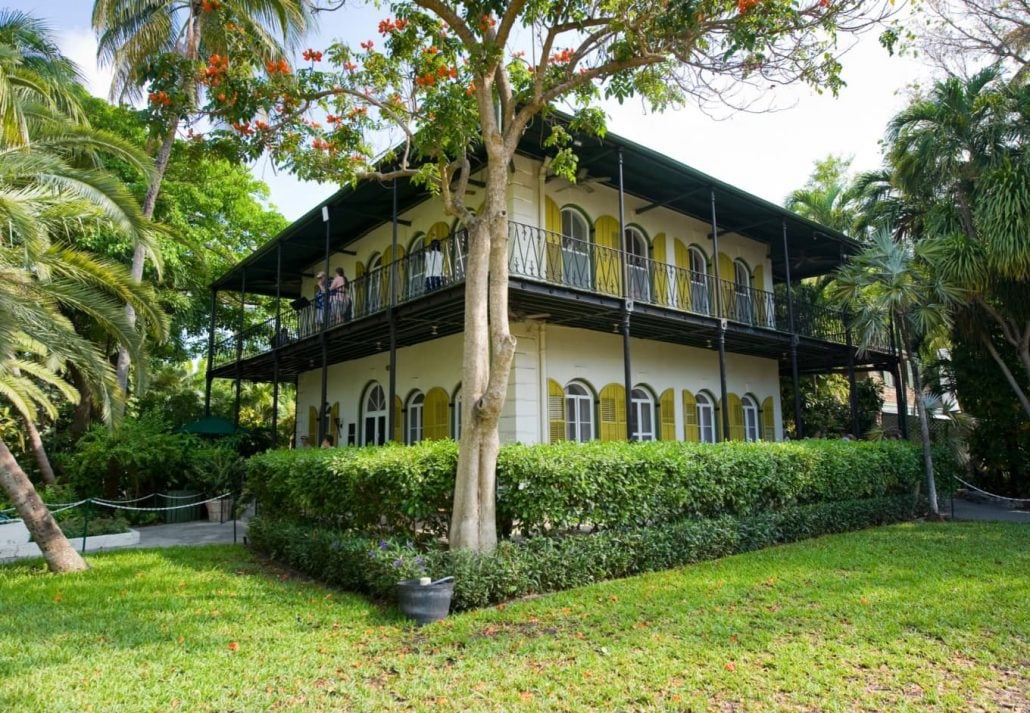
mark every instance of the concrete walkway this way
{"type": "Point", "coordinates": [983, 511]}
{"type": "Point", "coordinates": [198, 532]}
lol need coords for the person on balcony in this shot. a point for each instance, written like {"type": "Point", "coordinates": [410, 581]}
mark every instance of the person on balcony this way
{"type": "Point", "coordinates": [434, 267]}
{"type": "Point", "coordinates": [339, 297]}
{"type": "Point", "coordinates": [321, 297]}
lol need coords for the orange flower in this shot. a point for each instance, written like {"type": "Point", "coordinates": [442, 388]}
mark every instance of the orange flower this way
{"type": "Point", "coordinates": [233, 646]}
{"type": "Point", "coordinates": [311, 55]}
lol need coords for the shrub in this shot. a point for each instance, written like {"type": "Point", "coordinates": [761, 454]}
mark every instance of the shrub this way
{"type": "Point", "coordinates": [547, 564]}
{"type": "Point", "coordinates": [565, 487]}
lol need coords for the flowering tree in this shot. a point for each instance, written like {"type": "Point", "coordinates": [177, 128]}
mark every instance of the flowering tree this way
{"type": "Point", "coordinates": [451, 79]}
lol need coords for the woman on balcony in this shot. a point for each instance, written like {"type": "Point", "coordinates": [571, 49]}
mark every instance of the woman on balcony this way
{"type": "Point", "coordinates": [339, 297]}
{"type": "Point", "coordinates": [434, 267]}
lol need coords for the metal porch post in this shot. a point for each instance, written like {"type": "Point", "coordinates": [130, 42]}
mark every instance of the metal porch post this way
{"type": "Point", "coordinates": [239, 348]}
{"type": "Point", "coordinates": [276, 343]}
{"type": "Point", "coordinates": [323, 410]}
{"type": "Point", "coordinates": [627, 374]}
{"type": "Point", "coordinates": [210, 355]}
{"type": "Point", "coordinates": [799, 426]}
{"type": "Point", "coordinates": [391, 417]}
{"type": "Point", "coordinates": [852, 387]}
{"type": "Point", "coordinates": [722, 325]}
{"type": "Point", "coordinates": [901, 398]}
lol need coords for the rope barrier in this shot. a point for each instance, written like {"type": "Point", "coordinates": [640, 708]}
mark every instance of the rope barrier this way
{"type": "Point", "coordinates": [68, 506]}
{"type": "Point", "coordinates": [134, 500]}
{"type": "Point", "coordinates": [999, 497]}
{"type": "Point", "coordinates": [116, 506]}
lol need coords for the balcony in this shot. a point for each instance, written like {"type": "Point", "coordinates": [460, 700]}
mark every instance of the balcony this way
{"type": "Point", "coordinates": [563, 267]}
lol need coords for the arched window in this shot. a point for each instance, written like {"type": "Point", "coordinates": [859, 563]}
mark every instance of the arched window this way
{"type": "Point", "coordinates": [752, 429]}
{"type": "Point", "coordinates": [643, 414]}
{"type": "Point", "coordinates": [636, 248]}
{"type": "Point", "coordinates": [416, 266]}
{"type": "Point", "coordinates": [374, 416]}
{"type": "Point", "coordinates": [374, 284]}
{"type": "Point", "coordinates": [698, 280]}
{"type": "Point", "coordinates": [579, 413]}
{"type": "Point", "coordinates": [575, 247]}
{"type": "Point", "coordinates": [456, 415]}
{"type": "Point", "coordinates": [706, 417]}
{"type": "Point", "coordinates": [742, 290]}
{"type": "Point", "coordinates": [413, 418]}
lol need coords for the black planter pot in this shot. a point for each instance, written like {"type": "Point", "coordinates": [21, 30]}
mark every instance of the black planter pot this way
{"type": "Point", "coordinates": [425, 603]}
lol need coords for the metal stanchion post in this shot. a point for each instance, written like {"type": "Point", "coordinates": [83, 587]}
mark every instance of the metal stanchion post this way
{"type": "Point", "coordinates": [85, 525]}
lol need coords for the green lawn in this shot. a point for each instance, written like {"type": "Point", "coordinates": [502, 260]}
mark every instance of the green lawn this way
{"type": "Point", "coordinates": [904, 617]}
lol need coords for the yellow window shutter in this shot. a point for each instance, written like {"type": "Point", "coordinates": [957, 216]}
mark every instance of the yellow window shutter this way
{"type": "Point", "coordinates": [682, 288]}
{"type": "Point", "coordinates": [435, 421]}
{"type": "Point", "coordinates": [690, 428]}
{"type": "Point", "coordinates": [398, 420]}
{"type": "Point", "coordinates": [607, 265]}
{"type": "Point", "coordinates": [663, 276]}
{"type": "Point", "coordinates": [613, 412]}
{"type": "Point", "coordinates": [726, 275]}
{"type": "Point", "coordinates": [758, 278]}
{"type": "Point", "coordinates": [555, 411]}
{"type": "Point", "coordinates": [388, 258]}
{"type": "Point", "coordinates": [438, 231]}
{"type": "Point", "coordinates": [666, 404]}
{"type": "Point", "coordinates": [313, 426]}
{"type": "Point", "coordinates": [552, 216]}
{"type": "Point", "coordinates": [763, 307]}
{"type": "Point", "coordinates": [736, 417]}
{"type": "Point", "coordinates": [768, 419]}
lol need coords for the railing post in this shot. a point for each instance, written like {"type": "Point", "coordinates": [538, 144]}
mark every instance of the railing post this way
{"type": "Point", "coordinates": [852, 386]}
{"type": "Point", "coordinates": [723, 397]}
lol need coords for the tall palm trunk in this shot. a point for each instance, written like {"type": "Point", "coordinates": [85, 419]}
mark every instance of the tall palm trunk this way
{"type": "Point", "coordinates": [139, 256]}
{"type": "Point", "coordinates": [42, 460]}
{"type": "Point", "coordinates": [59, 554]}
{"type": "Point", "coordinates": [924, 422]}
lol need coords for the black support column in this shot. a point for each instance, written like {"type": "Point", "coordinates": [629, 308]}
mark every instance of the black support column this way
{"type": "Point", "coordinates": [391, 416]}
{"type": "Point", "coordinates": [210, 355]}
{"type": "Point", "coordinates": [276, 342]}
{"type": "Point", "coordinates": [799, 426]}
{"type": "Point", "coordinates": [239, 348]}
{"type": "Point", "coordinates": [627, 306]}
{"type": "Point", "coordinates": [852, 386]}
{"type": "Point", "coordinates": [723, 397]}
{"type": "Point", "coordinates": [323, 404]}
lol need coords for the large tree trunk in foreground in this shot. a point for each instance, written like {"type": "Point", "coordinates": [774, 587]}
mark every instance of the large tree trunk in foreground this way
{"type": "Point", "coordinates": [139, 255]}
{"type": "Point", "coordinates": [59, 554]}
{"type": "Point", "coordinates": [46, 471]}
{"type": "Point", "coordinates": [489, 350]}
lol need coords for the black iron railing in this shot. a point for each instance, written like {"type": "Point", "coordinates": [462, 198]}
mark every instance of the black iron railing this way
{"type": "Point", "coordinates": [550, 258]}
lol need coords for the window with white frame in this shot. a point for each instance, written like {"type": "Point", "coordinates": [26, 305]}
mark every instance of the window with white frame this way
{"type": "Point", "coordinates": [643, 414]}
{"type": "Point", "coordinates": [374, 432]}
{"type": "Point", "coordinates": [752, 430]}
{"type": "Point", "coordinates": [742, 292]}
{"type": "Point", "coordinates": [639, 279]}
{"type": "Point", "coordinates": [706, 418]}
{"type": "Point", "coordinates": [698, 280]}
{"type": "Point", "coordinates": [579, 413]}
{"type": "Point", "coordinates": [413, 417]}
{"type": "Point", "coordinates": [575, 248]}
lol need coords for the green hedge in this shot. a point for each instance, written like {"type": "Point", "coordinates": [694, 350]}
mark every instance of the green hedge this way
{"type": "Point", "coordinates": [562, 487]}
{"type": "Point", "coordinates": [547, 564]}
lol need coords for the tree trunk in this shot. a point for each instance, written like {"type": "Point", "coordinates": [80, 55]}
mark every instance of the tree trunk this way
{"type": "Point", "coordinates": [138, 255]}
{"type": "Point", "coordinates": [924, 430]}
{"type": "Point", "coordinates": [59, 554]}
{"type": "Point", "coordinates": [82, 416]}
{"type": "Point", "coordinates": [489, 350]}
{"type": "Point", "coordinates": [1009, 376]}
{"type": "Point", "coordinates": [45, 469]}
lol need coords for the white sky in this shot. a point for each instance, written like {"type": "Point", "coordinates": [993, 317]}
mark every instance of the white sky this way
{"type": "Point", "coordinates": [768, 154]}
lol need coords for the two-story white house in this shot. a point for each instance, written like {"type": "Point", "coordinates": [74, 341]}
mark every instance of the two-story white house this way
{"type": "Point", "coordinates": [671, 318]}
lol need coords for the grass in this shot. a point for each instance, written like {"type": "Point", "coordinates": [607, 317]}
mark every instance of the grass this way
{"type": "Point", "coordinates": [929, 616]}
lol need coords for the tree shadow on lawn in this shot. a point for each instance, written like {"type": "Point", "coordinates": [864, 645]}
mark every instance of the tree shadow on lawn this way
{"type": "Point", "coordinates": [139, 599]}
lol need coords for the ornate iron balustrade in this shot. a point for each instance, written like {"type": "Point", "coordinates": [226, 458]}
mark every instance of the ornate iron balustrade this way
{"type": "Point", "coordinates": [547, 257]}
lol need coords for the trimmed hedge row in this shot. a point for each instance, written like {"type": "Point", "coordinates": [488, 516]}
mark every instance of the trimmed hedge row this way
{"type": "Point", "coordinates": [547, 564]}
{"type": "Point", "coordinates": [388, 490]}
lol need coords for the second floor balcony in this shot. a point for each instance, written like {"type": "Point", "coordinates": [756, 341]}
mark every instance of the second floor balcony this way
{"type": "Point", "coordinates": [546, 263]}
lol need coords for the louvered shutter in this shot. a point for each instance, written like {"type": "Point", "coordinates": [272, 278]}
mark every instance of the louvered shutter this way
{"type": "Point", "coordinates": [690, 427]}
{"type": "Point", "coordinates": [435, 415]}
{"type": "Point", "coordinates": [666, 405]}
{"type": "Point", "coordinates": [768, 419]}
{"type": "Point", "coordinates": [613, 412]}
{"type": "Point", "coordinates": [736, 417]}
{"type": "Point", "coordinates": [763, 303]}
{"type": "Point", "coordinates": [607, 266]}
{"type": "Point", "coordinates": [555, 411]}
{"type": "Point", "coordinates": [402, 265]}
{"type": "Point", "coordinates": [553, 227]}
{"type": "Point", "coordinates": [727, 293]}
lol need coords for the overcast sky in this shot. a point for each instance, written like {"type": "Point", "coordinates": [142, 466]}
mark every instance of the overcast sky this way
{"type": "Point", "coordinates": [769, 154]}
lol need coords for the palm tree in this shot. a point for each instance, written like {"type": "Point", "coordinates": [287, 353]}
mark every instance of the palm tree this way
{"type": "Point", "coordinates": [958, 155]}
{"type": "Point", "coordinates": [890, 286]}
{"type": "Point", "coordinates": [143, 39]}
